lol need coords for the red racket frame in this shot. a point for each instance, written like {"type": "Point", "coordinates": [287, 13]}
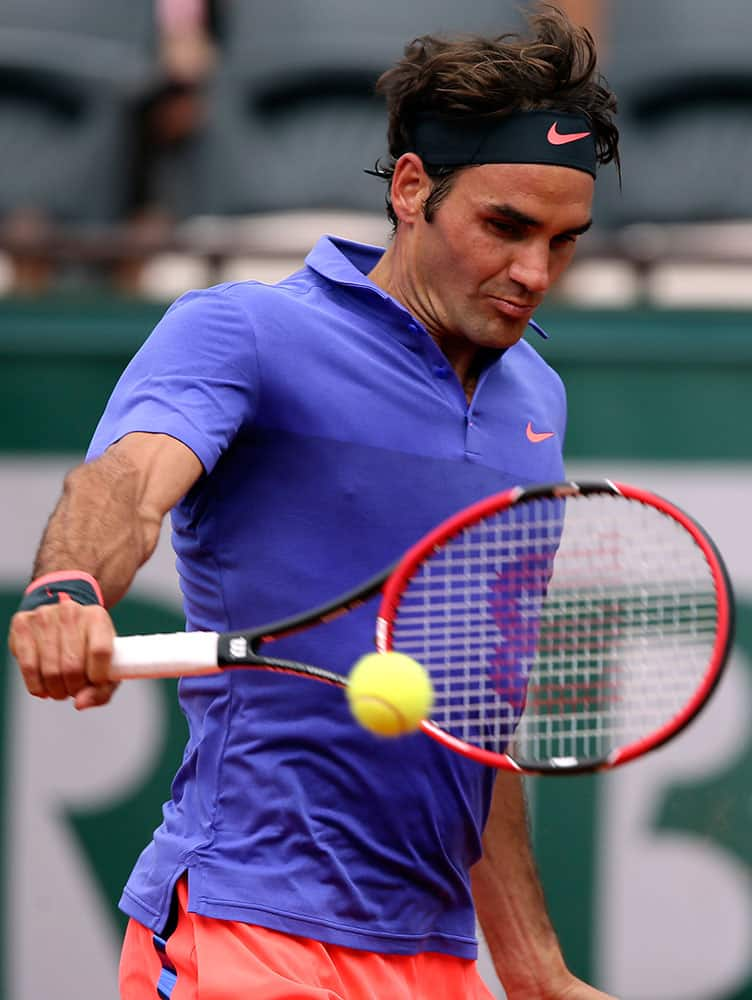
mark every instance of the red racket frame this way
{"type": "Point", "coordinates": [399, 579]}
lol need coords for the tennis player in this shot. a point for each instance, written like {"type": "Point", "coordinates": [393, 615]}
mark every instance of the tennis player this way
{"type": "Point", "coordinates": [303, 435]}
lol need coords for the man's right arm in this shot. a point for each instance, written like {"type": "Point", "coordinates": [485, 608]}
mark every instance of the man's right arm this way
{"type": "Point", "coordinates": [106, 524]}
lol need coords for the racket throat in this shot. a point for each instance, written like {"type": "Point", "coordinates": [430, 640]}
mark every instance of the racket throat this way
{"type": "Point", "coordinates": [240, 649]}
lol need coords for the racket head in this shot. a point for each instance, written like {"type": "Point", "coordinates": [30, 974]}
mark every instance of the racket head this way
{"type": "Point", "coordinates": [568, 627]}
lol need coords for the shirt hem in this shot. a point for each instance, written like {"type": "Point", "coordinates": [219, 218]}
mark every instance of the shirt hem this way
{"type": "Point", "coordinates": [329, 932]}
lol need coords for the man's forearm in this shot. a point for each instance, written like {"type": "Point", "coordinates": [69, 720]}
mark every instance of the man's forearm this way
{"type": "Point", "coordinates": [106, 525]}
{"type": "Point", "coordinates": [509, 900]}
{"type": "Point", "coordinates": [98, 527]}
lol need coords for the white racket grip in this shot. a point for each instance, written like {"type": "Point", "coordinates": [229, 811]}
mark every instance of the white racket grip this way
{"type": "Point", "coordinates": [175, 654]}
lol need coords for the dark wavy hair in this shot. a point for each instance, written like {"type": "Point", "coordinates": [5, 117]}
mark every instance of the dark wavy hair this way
{"type": "Point", "coordinates": [553, 67]}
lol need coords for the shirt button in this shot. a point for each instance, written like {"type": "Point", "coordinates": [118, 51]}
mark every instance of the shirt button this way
{"type": "Point", "coordinates": [441, 371]}
{"type": "Point", "coordinates": [412, 328]}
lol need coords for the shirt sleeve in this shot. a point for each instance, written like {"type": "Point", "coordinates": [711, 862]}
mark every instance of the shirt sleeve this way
{"type": "Point", "coordinates": [195, 378]}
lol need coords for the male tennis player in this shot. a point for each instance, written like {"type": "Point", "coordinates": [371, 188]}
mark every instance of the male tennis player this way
{"type": "Point", "coordinates": [303, 435]}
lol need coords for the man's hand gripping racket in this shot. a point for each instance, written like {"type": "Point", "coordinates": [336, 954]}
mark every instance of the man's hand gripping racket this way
{"type": "Point", "coordinates": [567, 627]}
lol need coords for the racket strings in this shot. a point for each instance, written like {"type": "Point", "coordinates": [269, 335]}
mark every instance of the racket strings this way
{"type": "Point", "coordinates": [561, 629]}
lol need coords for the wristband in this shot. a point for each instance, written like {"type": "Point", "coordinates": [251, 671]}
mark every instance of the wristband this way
{"type": "Point", "coordinates": [68, 585]}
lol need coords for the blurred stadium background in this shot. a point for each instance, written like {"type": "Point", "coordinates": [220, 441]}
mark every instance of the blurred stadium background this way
{"type": "Point", "coordinates": [157, 145]}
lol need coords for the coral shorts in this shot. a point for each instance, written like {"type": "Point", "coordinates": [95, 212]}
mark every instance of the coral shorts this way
{"type": "Point", "coordinates": [208, 959]}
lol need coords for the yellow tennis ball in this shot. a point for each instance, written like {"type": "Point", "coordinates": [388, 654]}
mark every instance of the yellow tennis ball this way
{"type": "Point", "coordinates": [389, 693]}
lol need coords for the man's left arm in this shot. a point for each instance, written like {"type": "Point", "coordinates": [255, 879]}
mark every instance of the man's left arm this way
{"type": "Point", "coordinates": [511, 908]}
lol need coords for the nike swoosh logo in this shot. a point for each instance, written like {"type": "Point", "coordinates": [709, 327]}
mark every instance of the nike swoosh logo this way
{"type": "Point", "coordinates": [537, 436]}
{"type": "Point", "coordinates": [556, 138]}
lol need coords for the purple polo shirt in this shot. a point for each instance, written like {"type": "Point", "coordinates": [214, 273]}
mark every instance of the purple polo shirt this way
{"type": "Point", "coordinates": [333, 433]}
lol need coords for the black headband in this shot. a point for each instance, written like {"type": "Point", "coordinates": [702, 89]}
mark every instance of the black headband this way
{"type": "Point", "coordinates": [556, 137]}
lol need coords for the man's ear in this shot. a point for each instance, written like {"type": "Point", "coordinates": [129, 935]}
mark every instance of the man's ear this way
{"type": "Point", "coordinates": [411, 185]}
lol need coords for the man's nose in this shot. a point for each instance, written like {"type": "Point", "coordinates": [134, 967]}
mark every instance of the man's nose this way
{"type": "Point", "coordinates": [531, 268]}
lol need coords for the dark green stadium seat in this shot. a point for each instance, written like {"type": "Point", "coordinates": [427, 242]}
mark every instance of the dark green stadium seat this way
{"type": "Point", "coordinates": [683, 74]}
{"type": "Point", "coordinates": [70, 72]}
{"type": "Point", "coordinates": [294, 121]}
{"type": "Point", "coordinates": [110, 43]}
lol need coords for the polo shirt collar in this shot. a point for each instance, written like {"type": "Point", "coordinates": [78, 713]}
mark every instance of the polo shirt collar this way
{"type": "Point", "coordinates": [346, 263]}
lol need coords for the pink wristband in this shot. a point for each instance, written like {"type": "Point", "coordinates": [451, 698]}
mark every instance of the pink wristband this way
{"type": "Point", "coordinates": [51, 588]}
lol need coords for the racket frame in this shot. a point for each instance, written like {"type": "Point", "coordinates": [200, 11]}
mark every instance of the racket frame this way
{"type": "Point", "coordinates": [398, 581]}
{"type": "Point", "coordinates": [242, 648]}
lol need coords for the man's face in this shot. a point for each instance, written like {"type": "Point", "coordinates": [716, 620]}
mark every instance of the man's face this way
{"type": "Point", "coordinates": [496, 243]}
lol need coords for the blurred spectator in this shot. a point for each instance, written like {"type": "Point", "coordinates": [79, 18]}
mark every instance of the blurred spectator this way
{"type": "Point", "coordinates": [32, 269]}
{"type": "Point", "coordinates": [70, 74]}
{"type": "Point", "coordinates": [165, 122]}
{"type": "Point", "coordinates": [591, 14]}
{"type": "Point", "coordinates": [132, 132]}
{"type": "Point", "coordinates": [186, 37]}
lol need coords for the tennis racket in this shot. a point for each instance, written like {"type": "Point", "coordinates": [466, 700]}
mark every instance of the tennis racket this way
{"type": "Point", "coordinates": [566, 627]}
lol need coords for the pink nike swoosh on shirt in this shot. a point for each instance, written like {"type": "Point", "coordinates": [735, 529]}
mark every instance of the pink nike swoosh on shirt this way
{"type": "Point", "coordinates": [556, 138]}
{"type": "Point", "coordinates": [537, 436]}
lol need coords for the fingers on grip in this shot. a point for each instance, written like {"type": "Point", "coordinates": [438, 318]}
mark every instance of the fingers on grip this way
{"type": "Point", "coordinates": [63, 650]}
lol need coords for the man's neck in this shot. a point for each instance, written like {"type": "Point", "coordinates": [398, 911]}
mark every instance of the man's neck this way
{"type": "Point", "coordinates": [392, 274]}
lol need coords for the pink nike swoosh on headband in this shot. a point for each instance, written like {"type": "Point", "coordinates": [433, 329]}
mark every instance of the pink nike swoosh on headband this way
{"type": "Point", "coordinates": [556, 138]}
